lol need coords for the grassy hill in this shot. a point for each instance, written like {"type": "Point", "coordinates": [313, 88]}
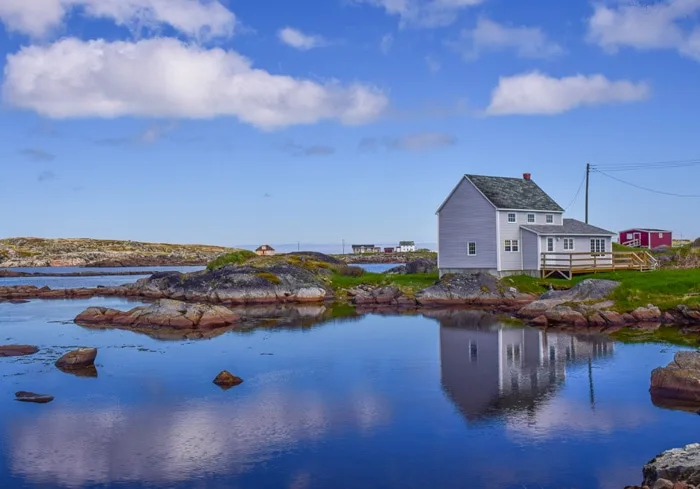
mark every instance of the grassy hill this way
{"type": "Point", "coordinates": [41, 252]}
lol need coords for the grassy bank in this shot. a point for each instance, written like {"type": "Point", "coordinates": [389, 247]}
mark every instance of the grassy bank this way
{"type": "Point", "coordinates": [409, 283]}
{"type": "Point", "coordinates": [663, 288]}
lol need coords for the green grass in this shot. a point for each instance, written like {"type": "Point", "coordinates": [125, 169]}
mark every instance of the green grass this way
{"type": "Point", "coordinates": [270, 277]}
{"type": "Point", "coordinates": [236, 258]}
{"type": "Point", "coordinates": [408, 284]}
{"type": "Point", "coordinates": [663, 288]}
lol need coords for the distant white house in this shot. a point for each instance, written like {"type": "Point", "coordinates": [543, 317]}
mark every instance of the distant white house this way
{"type": "Point", "coordinates": [507, 226]}
{"type": "Point", "coordinates": [406, 246]}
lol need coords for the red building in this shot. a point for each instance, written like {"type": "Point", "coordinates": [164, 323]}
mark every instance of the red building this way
{"type": "Point", "coordinates": [646, 238]}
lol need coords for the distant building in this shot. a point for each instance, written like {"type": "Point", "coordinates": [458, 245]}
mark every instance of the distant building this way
{"type": "Point", "coordinates": [646, 238]}
{"type": "Point", "coordinates": [406, 246]}
{"type": "Point", "coordinates": [389, 250]}
{"type": "Point", "coordinates": [365, 248]}
{"type": "Point", "coordinates": [265, 250]}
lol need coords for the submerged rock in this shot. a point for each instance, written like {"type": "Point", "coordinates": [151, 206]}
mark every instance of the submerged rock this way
{"type": "Point", "coordinates": [77, 359]}
{"type": "Point", "coordinates": [17, 350]}
{"type": "Point", "coordinates": [226, 380]}
{"type": "Point", "coordinates": [679, 381]}
{"type": "Point", "coordinates": [479, 288]}
{"type": "Point", "coordinates": [164, 313]}
{"type": "Point", "coordinates": [24, 396]}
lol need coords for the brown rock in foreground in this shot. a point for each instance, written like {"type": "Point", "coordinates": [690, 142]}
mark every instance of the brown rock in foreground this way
{"type": "Point", "coordinates": [226, 379]}
{"type": "Point", "coordinates": [24, 396]}
{"type": "Point", "coordinates": [164, 313]}
{"type": "Point", "coordinates": [678, 381]}
{"type": "Point", "coordinates": [17, 350]}
{"type": "Point", "coordinates": [81, 358]}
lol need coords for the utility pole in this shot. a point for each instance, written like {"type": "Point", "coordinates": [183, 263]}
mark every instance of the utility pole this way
{"type": "Point", "coordinates": [298, 245]}
{"type": "Point", "coordinates": [588, 174]}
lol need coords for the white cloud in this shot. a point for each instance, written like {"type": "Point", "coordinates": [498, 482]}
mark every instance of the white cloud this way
{"type": "Point", "coordinates": [527, 42]}
{"type": "Point", "coordinates": [537, 93]}
{"type": "Point", "coordinates": [423, 13]}
{"type": "Point", "coordinates": [196, 18]}
{"type": "Point", "coordinates": [167, 78]}
{"type": "Point", "coordinates": [651, 26]}
{"type": "Point", "coordinates": [386, 43]}
{"type": "Point", "coordinates": [298, 40]}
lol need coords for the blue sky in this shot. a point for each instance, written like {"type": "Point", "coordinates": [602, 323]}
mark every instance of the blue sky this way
{"type": "Point", "coordinates": [239, 122]}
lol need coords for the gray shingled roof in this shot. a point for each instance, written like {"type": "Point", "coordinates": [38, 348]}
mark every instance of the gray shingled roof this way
{"type": "Point", "coordinates": [514, 193]}
{"type": "Point", "coordinates": [569, 227]}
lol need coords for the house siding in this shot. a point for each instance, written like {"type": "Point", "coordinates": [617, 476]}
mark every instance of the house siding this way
{"type": "Point", "coordinates": [511, 261]}
{"type": "Point", "coordinates": [467, 216]}
{"type": "Point", "coordinates": [531, 256]}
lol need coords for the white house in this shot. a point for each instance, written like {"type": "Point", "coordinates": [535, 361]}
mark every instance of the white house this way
{"type": "Point", "coordinates": [503, 226]}
{"type": "Point", "coordinates": [406, 246]}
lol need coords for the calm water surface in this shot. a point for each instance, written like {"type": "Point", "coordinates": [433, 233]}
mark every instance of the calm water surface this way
{"type": "Point", "coordinates": [447, 401]}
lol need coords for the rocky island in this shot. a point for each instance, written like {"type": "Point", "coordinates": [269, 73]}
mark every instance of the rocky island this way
{"type": "Point", "coordinates": [39, 252]}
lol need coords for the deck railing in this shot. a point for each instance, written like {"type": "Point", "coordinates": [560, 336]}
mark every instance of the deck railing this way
{"type": "Point", "coordinates": [569, 264]}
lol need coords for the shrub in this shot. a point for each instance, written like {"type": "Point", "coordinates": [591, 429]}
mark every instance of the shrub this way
{"type": "Point", "coordinates": [236, 258]}
{"type": "Point", "coordinates": [351, 271]}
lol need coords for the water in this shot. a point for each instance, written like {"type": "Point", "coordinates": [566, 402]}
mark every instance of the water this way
{"type": "Point", "coordinates": [91, 281]}
{"type": "Point", "coordinates": [452, 400]}
{"type": "Point", "coordinates": [377, 267]}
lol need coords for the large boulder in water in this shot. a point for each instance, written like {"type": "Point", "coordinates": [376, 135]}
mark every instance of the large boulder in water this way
{"type": "Point", "coordinates": [17, 350]}
{"type": "Point", "coordinates": [478, 288]}
{"type": "Point", "coordinates": [77, 359]}
{"type": "Point", "coordinates": [164, 313]}
{"type": "Point", "coordinates": [279, 281]}
{"type": "Point", "coordinates": [678, 382]}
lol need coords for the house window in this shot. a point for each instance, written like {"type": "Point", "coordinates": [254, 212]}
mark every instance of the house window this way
{"type": "Point", "coordinates": [568, 244]}
{"type": "Point", "coordinates": [511, 217]}
{"type": "Point", "coordinates": [661, 235]}
{"type": "Point", "coordinates": [512, 245]}
{"type": "Point", "coordinates": [471, 248]}
{"type": "Point", "coordinates": [530, 218]}
{"type": "Point", "coordinates": [549, 219]}
{"type": "Point", "coordinates": [550, 244]}
{"type": "Point", "coordinates": [597, 245]}
{"type": "Point", "coordinates": [630, 236]}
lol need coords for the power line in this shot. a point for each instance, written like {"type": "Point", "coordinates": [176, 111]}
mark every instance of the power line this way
{"type": "Point", "coordinates": [583, 180]}
{"type": "Point", "coordinates": [646, 188]}
{"type": "Point", "coordinates": [648, 166]}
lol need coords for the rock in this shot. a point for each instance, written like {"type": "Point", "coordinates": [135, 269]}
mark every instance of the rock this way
{"type": "Point", "coordinates": [679, 464]}
{"type": "Point", "coordinates": [680, 485]}
{"type": "Point", "coordinates": [89, 371]}
{"type": "Point", "coordinates": [479, 288]}
{"type": "Point", "coordinates": [24, 396]}
{"type": "Point", "coordinates": [538, 308]}
{"type": "Point", "coordinates": [226, 379]}
{"type": "Point", "coordinates": [688, 313]}
{"type": "Point", "coordinates": [241, 284]}
{"type": "Point", "coordinates": [163, 313]}
{"type": "Point", "coordinates": [596, 319]}
{"type": "Point", "coordinates": [17, 350]}
{"type": "Point", "coordinates": [647, 314]}
{"type": "Point", "coordinates": [612, 318]}
{"type": "Point", "coordinates": [387, 295]}
{"type": "Point", "coordinates": [662, 484]}
{"type": "Point", "coordinates": [419, 265]}
{"type": "Point", "coordinates": [679, 380]}
{"type": "Point", "coordinates": [628, 318]}
{"type": "Point", "coordinates": [586, 290]}
{"type": "Point", "coordinates": [77, 359]}
{"type": "Point", "coordinates": [565, 314]}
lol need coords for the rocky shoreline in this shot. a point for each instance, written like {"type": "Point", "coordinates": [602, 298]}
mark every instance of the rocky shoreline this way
{"type": "Point", "coordinates": [384, 258]}
{"type": "Point", "coordinates": [107, 273]}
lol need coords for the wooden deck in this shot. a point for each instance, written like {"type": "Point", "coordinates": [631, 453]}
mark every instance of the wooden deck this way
{"type": "Point", "coordinates": [566, 265]}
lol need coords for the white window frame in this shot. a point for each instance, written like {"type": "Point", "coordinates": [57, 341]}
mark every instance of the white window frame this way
{"type": "Point", "coordinates": [515, 217]}
{"type": "Point", "coordinates": [531, 215]}
{"type": "Point", "coordinates": [569, 244]}
{"type": "Point", "coordinates": [661, 235]}
{"type": "Point", "coordinates": [550, 249]}
{"type": "Point", "coordinates": [630, 235]}
{"type": "Point", "coordinates": [549, 219]}
{"type": "Point", "coordinates": [511, 246]}
{"type": "Point", "coordinates": [597, 246]}
{"type": "Point", "coordinates": [469, 246]}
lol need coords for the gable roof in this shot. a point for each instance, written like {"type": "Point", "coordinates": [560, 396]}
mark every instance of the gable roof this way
{"type": "Point", "coordinates": [265, 248]}
{"type": "Point", "coordinates": [570, 227]}
{"type": "Point", "coordinates": [514, 193]}
{"type": "Point", "coordinates": [509, 193]}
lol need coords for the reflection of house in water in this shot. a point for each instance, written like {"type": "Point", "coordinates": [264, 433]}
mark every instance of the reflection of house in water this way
{"type": "Point", "coordinates": [487, 367]}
